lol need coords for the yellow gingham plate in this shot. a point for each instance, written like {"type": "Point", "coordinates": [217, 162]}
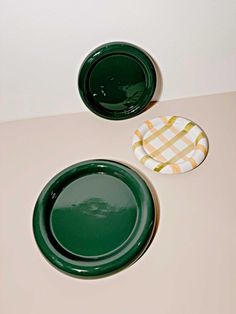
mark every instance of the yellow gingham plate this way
{"type": "Point", "coordinates": [170, 144]}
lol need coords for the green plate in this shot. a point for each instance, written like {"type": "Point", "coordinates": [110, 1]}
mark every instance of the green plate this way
{"type": "Point", "coordinates": [117, 81]}
{"type": "Point", "coordinates": [94, 218]}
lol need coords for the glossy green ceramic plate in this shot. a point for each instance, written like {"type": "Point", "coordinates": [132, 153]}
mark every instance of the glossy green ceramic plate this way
{"type": "Point", "coordinates": [94, 218]}
{"type": "Point", "coordinates": [117, 81]}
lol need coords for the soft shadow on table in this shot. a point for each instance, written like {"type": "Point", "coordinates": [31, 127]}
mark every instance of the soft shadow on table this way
{"type": "Point", "coordinates": [156, 204]}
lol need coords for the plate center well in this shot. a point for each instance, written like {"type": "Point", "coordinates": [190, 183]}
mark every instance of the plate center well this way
{"type": "Point", "coordinates": [117, 82]}
{"type": "Point", "coordinates": [93, 215]}
{"type": "Point", "coordinates": [174, 145]}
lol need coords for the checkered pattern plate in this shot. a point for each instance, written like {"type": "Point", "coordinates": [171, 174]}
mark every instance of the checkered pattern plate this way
{"type": "Point", "coordinates": [170, 144]}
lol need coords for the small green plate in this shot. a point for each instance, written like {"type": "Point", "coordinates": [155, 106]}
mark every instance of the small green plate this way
{"type": "Point", "coordinates": [94, 218]}
{"type": "Point", "coordinates": [117, 81]}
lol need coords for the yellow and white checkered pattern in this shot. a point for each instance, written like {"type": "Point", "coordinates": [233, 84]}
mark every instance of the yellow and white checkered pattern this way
{"type": "Point", "coordinates": [170, 144]}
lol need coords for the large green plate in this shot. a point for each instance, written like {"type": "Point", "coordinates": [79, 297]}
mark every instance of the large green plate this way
{"type": "Point", "coordinates": [117, 81]}
{"type": "Point", "coordinates": [94, 218]}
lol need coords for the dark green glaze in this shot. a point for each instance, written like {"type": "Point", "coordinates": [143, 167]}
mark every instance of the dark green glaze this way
{"type": "Point", "coordinates": [117, 81]}
{"type": "Point", "coordinates": [109, 217]}
{"type": "Point", "coordinates": [94, 218]}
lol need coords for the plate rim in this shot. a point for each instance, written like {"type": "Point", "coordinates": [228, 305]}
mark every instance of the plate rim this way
{"type": "Point", "coordinates": [111, 264]}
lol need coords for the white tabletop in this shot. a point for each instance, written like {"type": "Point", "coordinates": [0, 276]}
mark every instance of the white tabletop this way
{"type": "Point", "coordinates": [190, 265]}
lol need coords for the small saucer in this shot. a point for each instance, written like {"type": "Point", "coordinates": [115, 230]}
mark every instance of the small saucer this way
{"type": "Point", "coordinates": [170, 144]}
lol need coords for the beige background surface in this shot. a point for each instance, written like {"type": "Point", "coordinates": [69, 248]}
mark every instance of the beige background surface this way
{"type": "Point", "coordinates": [190, 266]}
